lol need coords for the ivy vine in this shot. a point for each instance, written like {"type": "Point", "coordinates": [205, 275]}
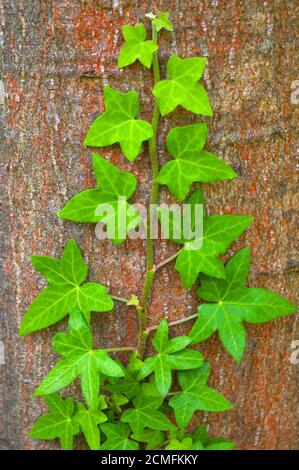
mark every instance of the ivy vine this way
{"type": "Point", "coordinates": [147, 402]}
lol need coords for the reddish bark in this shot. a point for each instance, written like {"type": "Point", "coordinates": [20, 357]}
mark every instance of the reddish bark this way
{"type": "Point", "coordinates": [50, 49]}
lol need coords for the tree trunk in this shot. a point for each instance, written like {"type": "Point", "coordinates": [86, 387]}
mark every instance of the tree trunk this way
{"type": "Point", "coordinates": [57, 55]}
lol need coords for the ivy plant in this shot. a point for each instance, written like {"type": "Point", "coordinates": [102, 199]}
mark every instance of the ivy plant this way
{"type": "Point", "coordinates": [150, 399]}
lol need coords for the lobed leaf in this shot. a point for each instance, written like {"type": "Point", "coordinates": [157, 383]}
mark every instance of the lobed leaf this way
{"type": "Point", "coordinates": [233, 303]}
{"type": "Point", "coordinates": [118, 437]}
{"type": "Point", "coordinates": [80, 360]}
{"type": "Point", "coordinates": [191, 164]}
{"type": "Point", "coordinates": [161, 21]}
{"type": "Point", "coordinates": [107, 203]}
{"type": "Point", "coordinates": [183, 87]}
{"type": "Point", "coordinates": [196, 395]}
{"type": "Point", "coordinates": [58, 422]}
{"type": "Point", "coordinates": [176, 444]}
{"type": "Point", "coordinates": [146, 414]}
{"type": "Point", "coordinates": [89, 420]}
{"type": "Point", "coordinates": [119, 124]}
{"type": "Point", "coordinates": [136, 47]}
{"type": "Point", "coordinates": [171, 355]}
{"type": "Point", "coordinates": [219, 231]}
{"type": "Point", "coordinates": [64, 292]}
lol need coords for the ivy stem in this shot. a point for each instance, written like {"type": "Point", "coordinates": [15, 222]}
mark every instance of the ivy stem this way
{"type": "Point", "coordinates": [119, 299]}
{"type": "Point", "coordinates": [167, 260]}
{"type": "Point", "coordinates": [149, 275]}
{"type": "Point", "coordinates": [173, 323]}
{"type": "Point", "coordinates": [122, 349]}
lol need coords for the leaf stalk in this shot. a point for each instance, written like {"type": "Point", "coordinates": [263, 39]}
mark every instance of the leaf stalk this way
{"type": "Point", "coordinates": [121, 349]}
{"type": "Point", "coordinates": [167, 260]}
{"type": "Point", "coordinates": [173, 323]}
{"type": "Point", "coordinates": [119, 299]}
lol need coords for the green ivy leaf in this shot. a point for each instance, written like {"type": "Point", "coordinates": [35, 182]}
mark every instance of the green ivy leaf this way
{"type": "Point", "coordinates": [196, 395]}
{"type": "Point", "coordinates": [64, 292]}
{"type": "Point", "coordinates": [79, 360]}
{"type": "Point", "coordinates": [77, 320]}
{"type": "Point", "coordinates": [183, 87]}
{"type": "Point", "coordinates": [89, 420]}
{"type": "Point", "coordinates": [174, 220]}
{"type": "Point", "coordinates": [128, 385]}
{"type": "Point", "coordinates": [145, 414]}
{"type": "Point", "coordinates": [191, 164]}
{"type": "Point", "coordinates": [91, 205]}
{"type": "Point", "coordinates": [201, 433]}
{"type": "Point", "coordinates": [233, 304]}
{"type": "Point", "coordinates": [219, 231]}
{"type": "Point", "coordinates": [203, 442]}
{"type": "Point", "coordinates": [223, 445]}
{"type": "Point", "coordinates": [175, 444]}
{"type": "Point", "coordinates": [59, 422]}
{"type": "Point", "coordinates": [179, 440]}
{"type": "Point", "coordinates": [149, 389]}
{"type": "Point", "coordinates": [161, 21]}
{"type": "Point", "coordinates": [118, 437]}
{"type": "Point", "coordinates": [119, 124]}
{"type": "Point", "coordinates": [136, 47]}
{"type": "Point", "coordinates": [117, 401]}
{"type": "Point", "coordinates": [171, 355]}
{"type": "Point", "coordinates": [153, 438]}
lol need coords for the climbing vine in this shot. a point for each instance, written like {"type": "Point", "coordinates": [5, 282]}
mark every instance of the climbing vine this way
{"type": "Point", "coordinates": [148, 401]}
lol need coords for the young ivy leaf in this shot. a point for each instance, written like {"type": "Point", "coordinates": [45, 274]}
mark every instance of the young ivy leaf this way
{"type": "Point", "coordinates": [233, 303]}
{"type": "Point", "coordinates": [171, 355]}
{"type": "Point", "coordinates": [128, 385]}
{"type": "Point", "coordinates": [179, 440]}
{"type": "Point", "coordinates": [89, 420]}
{"type": "Point", "coordinates": [161, 21]}
{"type": "Point", "coordinates": [118, 437]}
{"type": "Point", "coordinates": [183, 87]}
{"type": "Point", "coordinates": [119, 124]}
{"type": "Point", "coordinates": [146, 414]}
{"type": "Point", "coordinates": [191, 164]}
{"type": "Point", "coordinates": [199, 441]}
{"type": "Point", "coordinates": [196, 395]}
{"type": "Point", "coordinates": [64, 292]}
{"type": "Point", "coordinates": [108, 202]}
{"type": "Point", "coordinates": [59, 422]}
{"type": "Point", "coordinates": [136, 47]}
{"type": "Point", "coordinates": [80, 360]}
{"type": "Point", "coordinates": [176, 444]}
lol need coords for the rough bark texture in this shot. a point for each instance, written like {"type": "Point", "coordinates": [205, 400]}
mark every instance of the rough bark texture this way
{"type": "Point", "coordinates": [56, 57]}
